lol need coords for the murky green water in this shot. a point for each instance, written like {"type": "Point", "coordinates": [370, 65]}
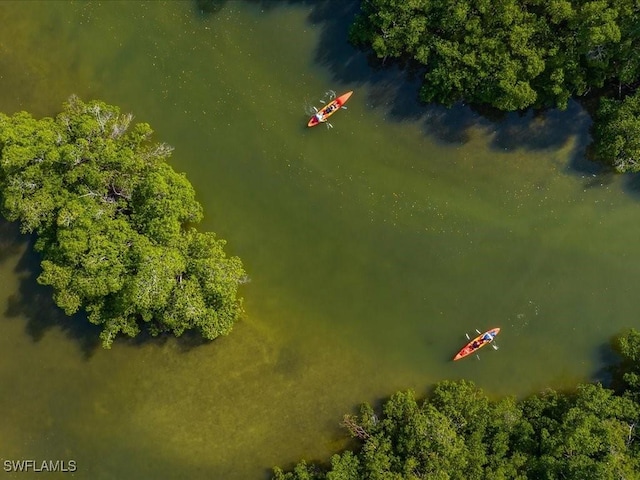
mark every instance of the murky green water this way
{"type": "Point", "coordinates": [372, 247]}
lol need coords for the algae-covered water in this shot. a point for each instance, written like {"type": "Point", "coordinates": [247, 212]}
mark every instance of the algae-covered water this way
{"type": "Point", "coordinates": [372, 247]}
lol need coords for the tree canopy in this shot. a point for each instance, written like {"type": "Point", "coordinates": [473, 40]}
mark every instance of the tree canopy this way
{"type": "Point", "coordinates": [510, 54]}
{"type": "Point", "coordinates": [616, 133]}
{"type": "Point", "coordinates": [458, 433]}
{"type": "Point", "coordinates": [515, 54]}
{"type": "Point", "coordinates": [115, 224]}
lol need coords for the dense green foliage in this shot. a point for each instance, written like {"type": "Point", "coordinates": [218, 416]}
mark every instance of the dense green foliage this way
{"type": "Point", "coordinates": [511, 54]}
{"type": "Point", "coordinates": [616, 133]}
{"type": "Point", "coordinates": [114, 224]}
{"type": "Point", "coordinates": [627, 374]}
{"type": "Point", "coordinates": [458, 433]}
{"type": "Point", "coordinates": [514, 54]}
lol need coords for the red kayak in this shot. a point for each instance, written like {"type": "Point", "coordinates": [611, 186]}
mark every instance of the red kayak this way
{"type": "Point", "coordinates": [328, 110]}
{"type": "Point", "coordinates": [477, 343]}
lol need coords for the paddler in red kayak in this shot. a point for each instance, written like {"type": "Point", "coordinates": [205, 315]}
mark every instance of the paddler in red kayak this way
{"type": "Point", "coordinates": [487, 337]}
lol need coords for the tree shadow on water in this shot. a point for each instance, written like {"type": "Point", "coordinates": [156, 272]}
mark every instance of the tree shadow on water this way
{"type": "Point", "coordinates": [632, 185]}
{"type": "Point", "coordinates": [185, 343]}
{"type": "Point", "coordinates": [540, 129]}
{"type": "Point", "coordinates": [12, 242]}
{"type": "Point", "coordinates": [551, 129]}
{"type": "Point", "coordinates": [608, 358]}
{"type": "Point", "coordinates": [34, 303]}
{"type": "Point", "coordinates": [208, 7]}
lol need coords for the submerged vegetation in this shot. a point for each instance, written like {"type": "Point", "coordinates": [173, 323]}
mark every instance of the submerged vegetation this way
{"type": "Point", "coordinates": [516, 54]}
{"type": "Point", "coordinates": [114, 224]}
{"type": "Point", "coordinates": [458, 433]}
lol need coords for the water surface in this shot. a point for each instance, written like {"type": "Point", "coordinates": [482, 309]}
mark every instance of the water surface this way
{"type": "Point", "coordinates": [372, 247]}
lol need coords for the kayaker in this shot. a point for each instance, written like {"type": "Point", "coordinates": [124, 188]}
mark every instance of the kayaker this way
{"type": "Point", "coordinates": [487, 337]}
{"type": "Point", "coordinates": [320, 117]}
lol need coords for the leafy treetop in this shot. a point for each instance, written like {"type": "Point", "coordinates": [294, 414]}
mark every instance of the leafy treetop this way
{"type": "Point", "coordinates": [115, 223]}
{"type": "Point", "coordinates": [510, 54]}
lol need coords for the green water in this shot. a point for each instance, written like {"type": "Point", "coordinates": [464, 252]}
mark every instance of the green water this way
{"type": "Point", "coordinates": [372, 247]}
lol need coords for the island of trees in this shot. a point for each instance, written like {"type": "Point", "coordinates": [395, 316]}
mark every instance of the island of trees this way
{"type": "Point", "coordinates": [114, 224]}
{"type": "Point", "coordinates": [458, 433]}
{"type": "Point", "coordinates": [516, 54]}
